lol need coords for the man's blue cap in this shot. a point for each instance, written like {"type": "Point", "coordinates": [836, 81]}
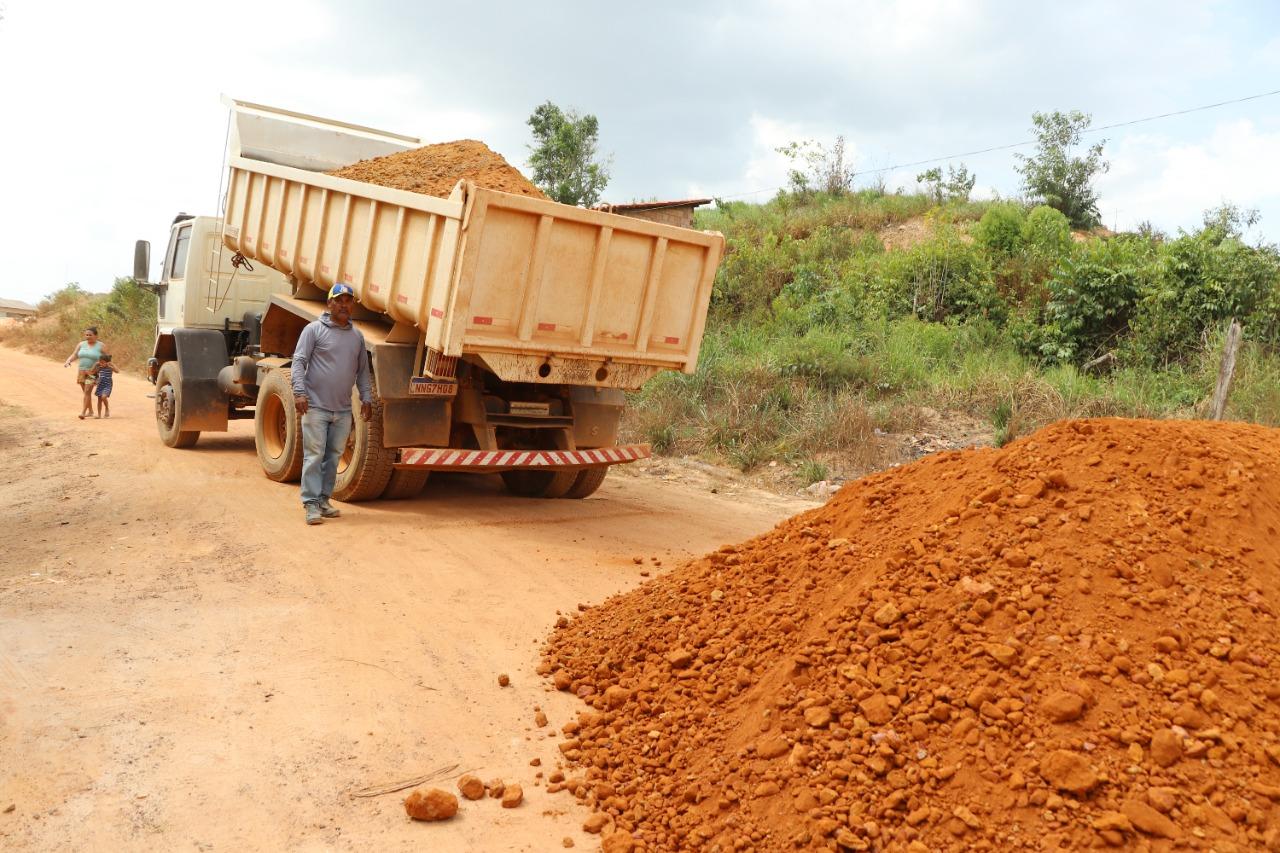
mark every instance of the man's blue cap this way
{"type": "Point", "coordinates": [339, 289]}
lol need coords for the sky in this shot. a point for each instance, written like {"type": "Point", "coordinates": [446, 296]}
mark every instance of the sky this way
{"type": "Point", "coordinates": [113, 120]}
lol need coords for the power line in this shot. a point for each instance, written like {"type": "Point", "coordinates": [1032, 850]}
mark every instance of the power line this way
{"type": "Point", "coordinates": [1033, 142]}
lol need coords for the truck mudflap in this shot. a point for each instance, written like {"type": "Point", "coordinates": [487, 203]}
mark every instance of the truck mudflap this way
{"type": "Point", "coordinates": [495, 461]}
{"type": "Point", "coordinates": [201, 354]}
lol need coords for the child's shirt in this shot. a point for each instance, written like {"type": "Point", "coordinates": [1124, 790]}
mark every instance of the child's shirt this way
{"type": "Point", "coordinates": [104, 379]}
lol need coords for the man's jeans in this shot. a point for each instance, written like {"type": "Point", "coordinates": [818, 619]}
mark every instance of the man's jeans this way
{"type": "Point", "coordinates": [324, 437]}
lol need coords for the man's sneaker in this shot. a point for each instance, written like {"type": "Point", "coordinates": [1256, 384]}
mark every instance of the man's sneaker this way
{"type": "Point", "coordinates": [328, 510]}
{"type": "Point", "coordinates": [313, 513]}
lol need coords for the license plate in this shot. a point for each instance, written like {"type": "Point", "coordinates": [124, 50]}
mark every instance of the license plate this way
{"type": "Point", "coordinates": [421, 386]}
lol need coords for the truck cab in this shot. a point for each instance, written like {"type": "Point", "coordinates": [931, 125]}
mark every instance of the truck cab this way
{"type": "Point", "coordinates": [203, 286]}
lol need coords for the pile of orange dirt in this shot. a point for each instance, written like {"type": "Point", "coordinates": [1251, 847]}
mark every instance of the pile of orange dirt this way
{"type": "Point", "coordinates": [1068, 642]}
{"type": "Point", "coordinates": [435, 169]}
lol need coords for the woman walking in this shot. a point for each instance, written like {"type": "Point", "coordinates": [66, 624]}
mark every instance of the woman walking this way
{"type": "Point", "coordinates": [88, 352]}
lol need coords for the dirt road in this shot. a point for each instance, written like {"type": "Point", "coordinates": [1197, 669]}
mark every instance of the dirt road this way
{"type": "Point", "coordinates": [185, 665]}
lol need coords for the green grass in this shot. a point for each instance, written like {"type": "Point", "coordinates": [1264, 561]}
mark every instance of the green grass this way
{"type": "Point", "coordinates": [761, 395]}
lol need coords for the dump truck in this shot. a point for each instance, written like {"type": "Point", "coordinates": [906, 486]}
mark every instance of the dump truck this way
{"type": "Point", "coordinates": [502, 330]}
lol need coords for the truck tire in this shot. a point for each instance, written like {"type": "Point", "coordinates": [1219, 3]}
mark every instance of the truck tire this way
{"type": "Point", "coordinates": [169, 407]}
{"type": "Point", "coordinates": [277, 428]}
{"type": "Point", "coordinates": [365, 467]}
{"type": "Point", "coordinates": [587, 482]}
{"type": "Point", "coordinates": [538, 484]}
{"type": "Point", "coordinates": [404, 484]}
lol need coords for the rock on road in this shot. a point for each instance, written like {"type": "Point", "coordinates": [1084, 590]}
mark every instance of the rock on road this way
{"type": "Point", "coordinates": [185, 665]}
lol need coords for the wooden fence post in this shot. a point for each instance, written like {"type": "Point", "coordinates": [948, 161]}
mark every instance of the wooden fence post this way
{"type": "Point", "coordinates": [1226, 371]}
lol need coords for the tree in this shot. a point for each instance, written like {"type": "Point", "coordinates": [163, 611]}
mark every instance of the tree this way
{"type": "Point", "coordinates": [956, 186]}
{"type": "Point", "coordinates": [814, 168]}
{"type": "Point", "coordinates": [1053, 177]}
{"type": "Point", "coordinates": [564, 155]}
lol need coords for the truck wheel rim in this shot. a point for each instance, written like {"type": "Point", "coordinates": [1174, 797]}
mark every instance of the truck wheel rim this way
{"type": "Point", "coordinates": [164, 405]}
{"type": "Point", "coordinates": [275, 432]}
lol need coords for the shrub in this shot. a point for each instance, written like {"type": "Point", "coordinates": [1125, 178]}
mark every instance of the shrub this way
{"type": "Point", "coordinates": [1092, 297]}
{"type": "Point", "coordinates": [1046, 232]}
{"type": "Point", "coordinates": [1207, 277]}
{"type": "Point", "coordinates": [939, 279]}
{"type": "Point", "coordinates": [999, 231]}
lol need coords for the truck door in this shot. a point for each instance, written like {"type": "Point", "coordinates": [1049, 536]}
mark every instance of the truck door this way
{"type": "Point", "coordinates": [173, 277]}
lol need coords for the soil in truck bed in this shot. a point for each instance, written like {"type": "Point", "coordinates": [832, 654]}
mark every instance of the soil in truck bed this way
{"type": "Point", "coordinates": [436, 169]}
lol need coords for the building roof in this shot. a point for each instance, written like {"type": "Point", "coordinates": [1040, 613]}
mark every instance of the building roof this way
{"type": "Point", "coordinates": [653, 205]}
{"type": "Point", "coordinates": [15, 305]}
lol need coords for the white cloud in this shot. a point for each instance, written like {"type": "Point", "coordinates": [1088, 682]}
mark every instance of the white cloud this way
{"type": "Point", "coordinates": [1173, 183]}
{"type": "Point", "coordinates": [766, 169]}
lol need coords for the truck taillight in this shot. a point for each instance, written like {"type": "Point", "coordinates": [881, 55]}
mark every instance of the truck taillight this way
{"type": "Point", "coordinates": [440, 366]}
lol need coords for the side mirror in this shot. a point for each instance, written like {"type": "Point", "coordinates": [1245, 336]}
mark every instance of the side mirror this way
{"type": "Point", "coordinates": [141, 261]}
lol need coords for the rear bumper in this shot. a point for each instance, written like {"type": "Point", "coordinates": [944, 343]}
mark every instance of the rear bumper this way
{"type": "Point", "coordinates": [493, 461]}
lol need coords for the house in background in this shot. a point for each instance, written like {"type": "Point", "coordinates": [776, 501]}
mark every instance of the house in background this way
{"type": "Point", "coordinates": [678, 213]}
{"type": "Point", "coordinates": [12, 309]}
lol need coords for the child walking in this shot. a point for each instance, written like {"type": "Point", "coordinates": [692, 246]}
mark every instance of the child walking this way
{"type": "Point", "coordinates": [105, 368]}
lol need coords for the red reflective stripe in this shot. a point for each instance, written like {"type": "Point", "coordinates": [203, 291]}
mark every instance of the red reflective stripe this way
{"type": "Point", "coordinates": [482, 321]}
{"type": "Point", "coordinates": [437, 313]}
{"type": "Point", "coordinates": [449, 457]}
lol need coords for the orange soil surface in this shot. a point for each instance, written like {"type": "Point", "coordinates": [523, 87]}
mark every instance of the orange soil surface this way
{"type": "Point", "coordinates": [1069, 642]}
{"type": "Point", "coordinates": [435, 169]}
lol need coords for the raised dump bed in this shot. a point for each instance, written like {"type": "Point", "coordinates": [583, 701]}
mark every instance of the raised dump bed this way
{"type": "Point", "coordinates": [539, 291]}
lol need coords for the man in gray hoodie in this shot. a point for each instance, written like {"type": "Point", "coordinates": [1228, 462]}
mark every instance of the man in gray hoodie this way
{"type": "Point", "coordinates": [329, 359]}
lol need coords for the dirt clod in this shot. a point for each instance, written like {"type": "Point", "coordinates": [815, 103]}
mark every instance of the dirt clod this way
{"type": "Point", "coordinates": [1166, 747]}
{"type": "Point", "coordinates": [1148, 820]}
{"type": "Point", "coordinates": [504, 680]}
{"type": "Point", "coordinates": [1063, 706]}
{"type": "Point", "coordinates": [512, 796]}
{"type": "Point", "coordinates": [1068, 771]}
{"type": "Point", "coordinates": [433, 804]}
{"type": "Point", "coordinates": [471, 787]}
